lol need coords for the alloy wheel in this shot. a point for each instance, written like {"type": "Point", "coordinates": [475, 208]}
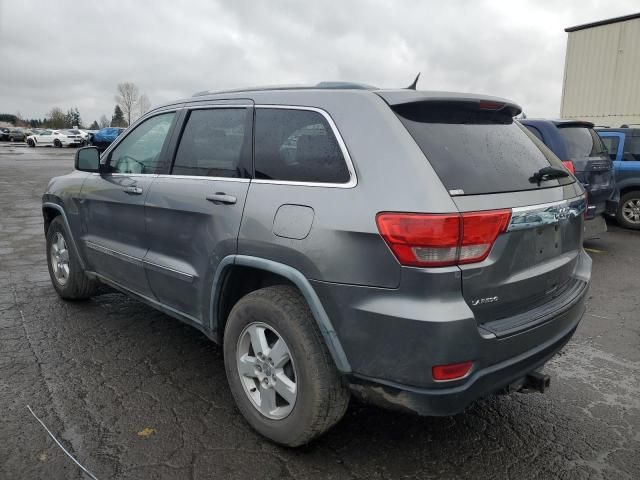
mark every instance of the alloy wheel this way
{"type": "Point", "coordinates": [59, 258]}
{"type": "Point", "coordinates": [631, 211]}
{"type": "Point", "coordinates": [266, 370]}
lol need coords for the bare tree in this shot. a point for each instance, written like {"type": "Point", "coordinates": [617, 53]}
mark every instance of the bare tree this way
{"type": "Point", "coordinates": [144, 105]}
{"type": "Point", "coordinates": [104, 122]}
{"type": "Point", "coordinates": [128, 98]}
{"type": "Point", "coordinates": [56, 118]}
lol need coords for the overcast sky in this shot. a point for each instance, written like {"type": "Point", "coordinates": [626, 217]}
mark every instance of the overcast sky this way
{"type": "Point", "coordinates": [73, 54]}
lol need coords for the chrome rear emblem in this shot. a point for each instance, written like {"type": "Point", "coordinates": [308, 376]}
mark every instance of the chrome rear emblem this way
{"type": "Point", "coordinates": [482, 301]}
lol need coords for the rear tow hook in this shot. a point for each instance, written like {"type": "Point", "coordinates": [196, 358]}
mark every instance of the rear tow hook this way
{"type": "Point", "coordinates": [532, 382]}
{"type": "Point", "coordinates": [536, 382]}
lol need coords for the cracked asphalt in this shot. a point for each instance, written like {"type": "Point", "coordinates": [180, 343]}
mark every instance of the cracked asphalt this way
{"type": "Point", "coordinates": [100, 372]}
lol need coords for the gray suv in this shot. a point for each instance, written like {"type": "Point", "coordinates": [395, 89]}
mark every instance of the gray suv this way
{"type": "Point", "coordinates": [415, 249]}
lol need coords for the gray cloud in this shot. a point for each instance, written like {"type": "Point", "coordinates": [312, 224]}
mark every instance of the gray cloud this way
{"type": "Point", "coordinates": [73, 54]}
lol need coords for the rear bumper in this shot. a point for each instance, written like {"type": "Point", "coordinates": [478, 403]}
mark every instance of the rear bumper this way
{"type": "Point", "coordinates": [393, 337]}
{"type": "Point", "coordinates": [483, 382]}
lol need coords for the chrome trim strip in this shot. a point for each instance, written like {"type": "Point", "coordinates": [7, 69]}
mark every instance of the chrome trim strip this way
{"type": "Point", "coordinates": [198, 177]}
{"type": "Point", "coordinates": [113, 253]}
{"type": "Point", "coordinates": [552, 213]}
{"type": "Point", "coordinates": [353, 179]}
{"type": "Point", "coordinates": [226, 105]}
{"type": "Point", "coordinates": [187, 277]}
{"type": "Point", "coordinates": [116, 174]}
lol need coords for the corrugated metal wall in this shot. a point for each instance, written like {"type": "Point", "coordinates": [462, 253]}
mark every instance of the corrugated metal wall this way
{"type": "Point", "coordinates": [602, 74]}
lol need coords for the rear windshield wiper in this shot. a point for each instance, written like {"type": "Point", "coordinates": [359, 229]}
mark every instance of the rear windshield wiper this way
{"type": "Point", "coordinates": [548, 173]}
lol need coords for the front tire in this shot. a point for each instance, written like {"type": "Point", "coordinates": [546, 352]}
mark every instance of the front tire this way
{"type": "Point", "coordinates": [281, 374]}
{"type": "Point", "coordinates": [628, 214]}
{"type": "Point", "coordinates": [57, 143]}
{"type": "Point", "coordinates": [67, 276]}
{"type": "Point", "coordinates": [30, 142]}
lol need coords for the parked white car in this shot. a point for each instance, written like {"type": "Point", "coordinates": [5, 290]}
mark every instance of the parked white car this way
{"type": "Point", "coordinates": [83, 133]}
{"type": "Point", "coordinates": [55, 138]}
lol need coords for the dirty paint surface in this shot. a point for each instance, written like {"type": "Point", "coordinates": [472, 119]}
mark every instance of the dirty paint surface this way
{"type": "Point", "coordinates": [99, 372]}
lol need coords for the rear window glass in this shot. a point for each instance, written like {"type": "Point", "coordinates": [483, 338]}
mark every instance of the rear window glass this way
{"type": "Point", "coordinates": [582, 142]}
{"type": "Point", "coordinates": [475, 151]}
{"type": "Point", "coordinates": [297, 145]}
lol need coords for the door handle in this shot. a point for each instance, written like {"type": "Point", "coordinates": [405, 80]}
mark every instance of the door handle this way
{"type": "Point", "coordinates": [133, 190]}
{"type": "Point", "coordinates": [221, 197]}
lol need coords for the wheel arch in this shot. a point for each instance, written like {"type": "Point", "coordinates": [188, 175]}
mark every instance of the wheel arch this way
{"type": "Point", "coordinates": [629, 187]}
{"type": "Point", "coordinates": [224, 295]}
{"type": "Point", "coordinates": [52, 210]}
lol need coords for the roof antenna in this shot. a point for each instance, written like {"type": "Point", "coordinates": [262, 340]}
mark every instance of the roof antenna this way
{"type": "Point", "coordinates": [414, 84]}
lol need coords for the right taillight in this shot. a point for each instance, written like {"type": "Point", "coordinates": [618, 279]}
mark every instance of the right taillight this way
{"type": "Point", "coordinates": [438, 240]}
{"type": "Point", "coordinates": [568, 164]}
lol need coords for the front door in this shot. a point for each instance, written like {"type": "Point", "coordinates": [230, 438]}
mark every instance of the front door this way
{"type": "Point", "coordinates": [113, 204]}
{"type": "Point", "coordinates": [193, 214]}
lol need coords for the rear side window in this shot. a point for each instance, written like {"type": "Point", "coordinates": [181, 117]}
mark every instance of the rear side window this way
{"type": "Point", "coordinates": [582, 142]}
{"type": "Point", "coordinates": [632, 148]}
{"type": "Point", "coordinates": [477, 151]}
{"type": "Point", "coordinates": [611, 144]}
{"type": "Point", "coordinates": [298, 146]}
{"type": "Point", "coordinates": [212, 143]}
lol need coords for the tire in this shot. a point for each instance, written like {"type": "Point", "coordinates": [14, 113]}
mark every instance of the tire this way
{"type": "Point", "coordinates": [629, 204]}
{"type": "Point", "coordinates": [57, 143]}
{"type": "Point", "coordinates": [30, 142]}
{"type": "Point", "coordinates": [11, 139]}
{"type": "Point", "coordinates": [321, 397]}
{"type": "Point", "coordinates": [76, 285]}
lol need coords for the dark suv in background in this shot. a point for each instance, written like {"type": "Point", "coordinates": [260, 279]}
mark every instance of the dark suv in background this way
{"type": "Point", "coordinates": [13, 134]}
{"type": "Point", "coordinates": [580, 148]}
{"type": "Point", "coordinates": [623, 145]}
{"type": "Point", "coordinates": [417, 249]}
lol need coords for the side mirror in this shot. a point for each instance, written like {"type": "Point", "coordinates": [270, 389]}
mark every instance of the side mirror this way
{"type": "Point", "coordinates": [87, 159]}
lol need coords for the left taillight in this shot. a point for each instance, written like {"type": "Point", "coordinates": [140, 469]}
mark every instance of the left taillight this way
{"type": "Point", "coordinates": [438, 240]}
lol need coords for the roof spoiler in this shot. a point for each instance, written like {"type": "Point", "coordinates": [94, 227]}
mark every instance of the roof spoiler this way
{"type": "Point", "coordinates": [396, 98]}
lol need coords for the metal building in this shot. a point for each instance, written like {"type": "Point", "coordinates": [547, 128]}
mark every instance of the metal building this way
{"type": "Point", "coordinates": [602, 72]}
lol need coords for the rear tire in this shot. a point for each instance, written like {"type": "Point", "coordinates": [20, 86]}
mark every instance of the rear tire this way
{"type": "Point", "coordinates": [57, 143]}
{"type": "Point", "coordinates": [321, 396]}
{"type": "Point", "coordinates": [628, 214]}
{"type": "Point", "coordinates": [67, 276]}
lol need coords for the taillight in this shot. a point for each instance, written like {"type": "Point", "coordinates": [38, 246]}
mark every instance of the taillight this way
{"type": "Point", "coordinates": [452, 371]}
{"type": "Point", "coordinates": [438, 240]}
{"type": "Point", "coordinates": [568, 164]}
{"type": "Point", "coordinates": [479, 232]}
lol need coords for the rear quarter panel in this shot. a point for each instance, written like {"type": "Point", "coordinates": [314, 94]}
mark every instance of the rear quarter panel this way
{"type": "Point", "coordinates": [343, 245]}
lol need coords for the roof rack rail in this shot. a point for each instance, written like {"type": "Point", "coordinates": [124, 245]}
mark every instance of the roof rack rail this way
{"type": "Point", "coordinates": [330, 85]}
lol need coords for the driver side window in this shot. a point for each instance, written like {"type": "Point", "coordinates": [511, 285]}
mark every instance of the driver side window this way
{"type": "Point", "coordinates": [139, 151]}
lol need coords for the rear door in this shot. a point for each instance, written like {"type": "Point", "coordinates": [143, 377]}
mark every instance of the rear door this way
{"type": "Point", "coordinates": [591, 161]}
{"type": "Point", "coordinates": [486, 161]}
{"type": "Point", "coordinates": [193, 213]}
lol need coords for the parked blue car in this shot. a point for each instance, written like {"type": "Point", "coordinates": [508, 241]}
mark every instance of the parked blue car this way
{"type": "Point", "coordinates": [624, 150]}
{"type": "Point", "coordinates": [105, 136]}
{"type": "Point", "coordinates": [576, 143]}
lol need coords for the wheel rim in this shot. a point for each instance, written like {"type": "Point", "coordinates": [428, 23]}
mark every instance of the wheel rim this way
{"type": "Point", "coordinates": [59, 258]}
{"type": "Point", "coordinates": [631, 211]}
{"type": "Point", "coordinates": [266, 370]}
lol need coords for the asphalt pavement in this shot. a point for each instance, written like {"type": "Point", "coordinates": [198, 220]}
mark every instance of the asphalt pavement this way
{"type": "Point", "coordinates": [132, 393]}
